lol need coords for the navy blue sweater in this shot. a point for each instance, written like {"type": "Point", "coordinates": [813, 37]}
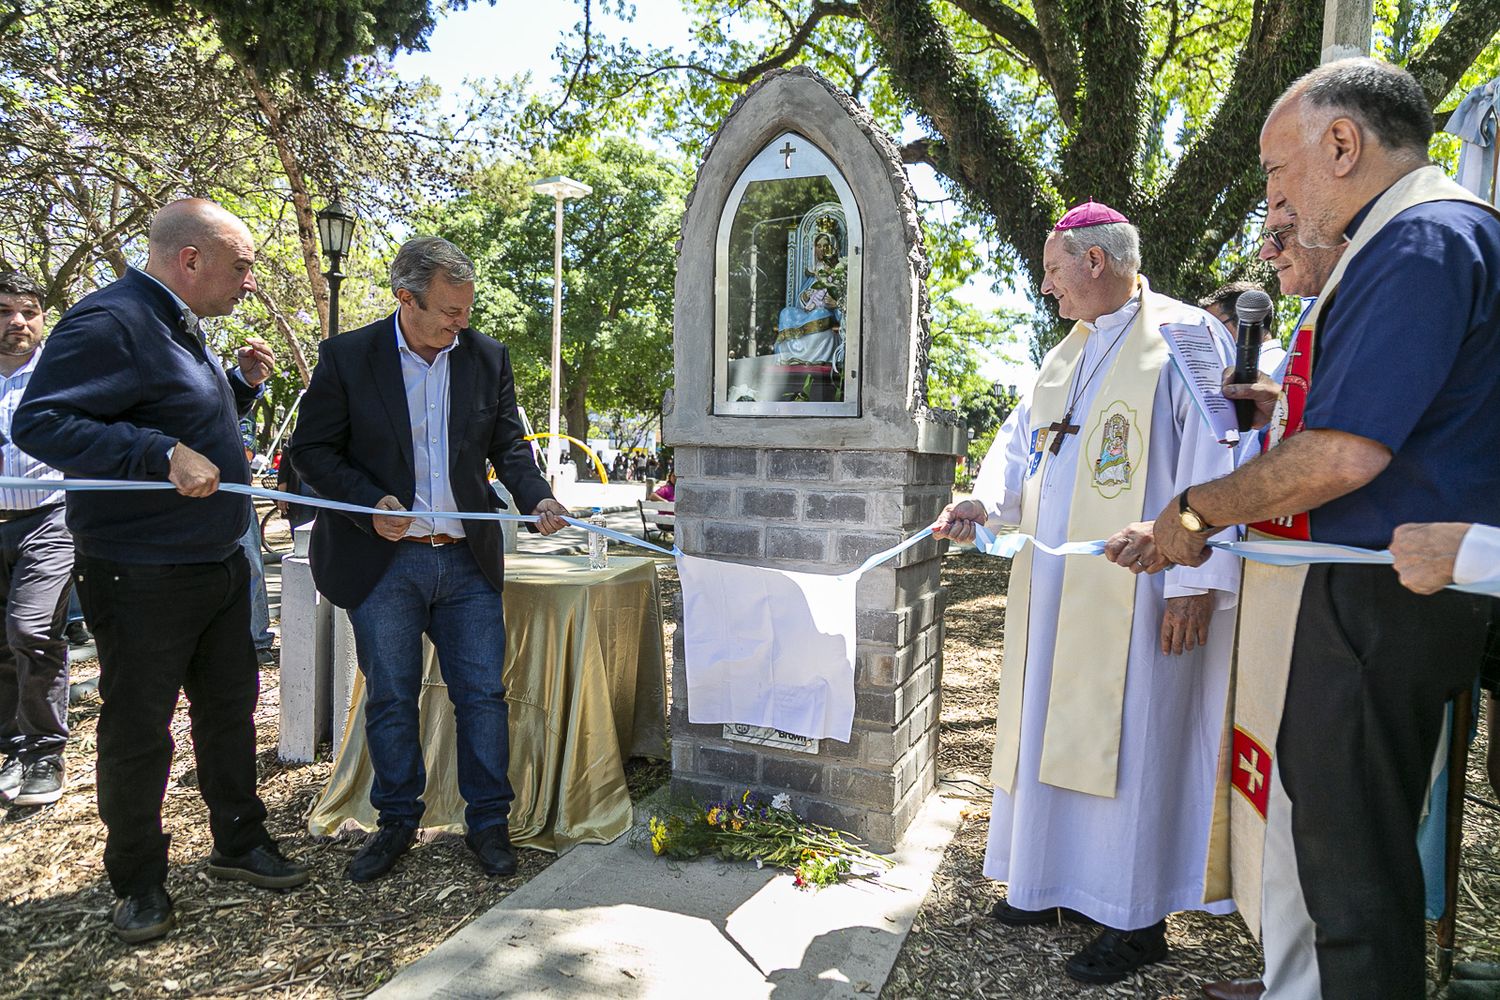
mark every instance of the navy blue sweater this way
{"type": "Point", "coordinates": [121, 381]}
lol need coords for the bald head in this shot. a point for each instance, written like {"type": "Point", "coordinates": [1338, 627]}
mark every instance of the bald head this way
{"type": "Point", "coordinates": [191, 222]}
{"type": "Point", "coordinates": [203, 253]}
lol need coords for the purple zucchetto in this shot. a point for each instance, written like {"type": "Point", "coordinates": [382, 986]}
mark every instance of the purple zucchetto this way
{"type": "Point", "coordinates": [1090, 213]}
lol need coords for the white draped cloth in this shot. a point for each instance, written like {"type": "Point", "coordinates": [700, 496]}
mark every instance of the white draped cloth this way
{"type": "Point", "coordinates": [1129, 860]}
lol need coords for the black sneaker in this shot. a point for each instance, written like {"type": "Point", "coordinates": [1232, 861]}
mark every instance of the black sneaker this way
{"type": "Point", "coordinates": [143, 917]}
{"type": "Point", "coordinates": [380, 853]}
{"type": "Point", "coordinates": [492, 847]}
{"type": "Point", "coordinates": [11, 775]}
{"type": "Point", "coordinates": [42, 783]}
{"type": "Point", "coordinates": [1115, 954]}
{"type": "Point", "coordinates": [263, 866]}
{"type": "Point", "coordinates": [78, 634]}
{"type": "Point", "coordinates": [265, 657]}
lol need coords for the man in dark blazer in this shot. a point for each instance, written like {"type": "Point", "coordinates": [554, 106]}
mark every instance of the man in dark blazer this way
{"type": "Point", "coordinates": [128, 389]}
{"type": "Point", "coordinates": [402, 415]}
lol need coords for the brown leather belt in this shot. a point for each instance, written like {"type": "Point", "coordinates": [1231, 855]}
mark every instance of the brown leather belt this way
{"type": "Point", "coordinates": [432, 539]}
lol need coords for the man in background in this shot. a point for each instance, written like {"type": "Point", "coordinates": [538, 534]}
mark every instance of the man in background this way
{"type": "Point", "coordinates": [1221, 303]}
{"type": "Point", "coordinates": [36, 566]}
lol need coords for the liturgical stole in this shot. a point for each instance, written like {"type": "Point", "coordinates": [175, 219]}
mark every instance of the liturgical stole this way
{"type": "Point", "coordinates": [1081, 742]}
{"type": "Point", "coordinates": [1270, 598]}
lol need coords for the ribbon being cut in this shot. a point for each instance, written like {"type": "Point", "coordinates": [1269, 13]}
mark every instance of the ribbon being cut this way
{"type": "Point", "coordinates": [770, 647]}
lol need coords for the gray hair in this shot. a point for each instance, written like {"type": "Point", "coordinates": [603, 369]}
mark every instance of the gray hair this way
{"type": "Point", "coordinates": [1120, 241]}
{"type": "Point", "coordinates": [421, 258]}
{"type": "Point", "coordinates": [1384, 100]}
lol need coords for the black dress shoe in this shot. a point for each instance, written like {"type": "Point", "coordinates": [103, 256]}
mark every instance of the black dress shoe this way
{"type": "Point", "coordinates": [143, 917]}
{"type": "Point", "coordinates": [379, 854]}
{"type": "Point", "coordinates": [1115, 954]}
{"type": "Point", "coordinates": [492, 847]}
{"type": "Point", "coordinates": [78, 634]}
{"type": "Point", "coordinates": [1014, 916]}
{"type": "Point", "coordinates": [263, 866]}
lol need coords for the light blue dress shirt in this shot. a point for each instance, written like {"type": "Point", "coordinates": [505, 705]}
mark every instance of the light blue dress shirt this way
{"type": "Point", "coordinates": [17, 462]}
{"type": "Point", "coordinates": [427, 405]}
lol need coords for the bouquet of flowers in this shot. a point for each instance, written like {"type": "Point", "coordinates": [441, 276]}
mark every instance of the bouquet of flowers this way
{"type": "Point", "coordinates": [748, 829]}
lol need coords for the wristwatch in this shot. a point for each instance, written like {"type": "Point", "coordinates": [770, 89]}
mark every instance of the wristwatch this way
{"type": "Point", "coordinates": [1191, 519]}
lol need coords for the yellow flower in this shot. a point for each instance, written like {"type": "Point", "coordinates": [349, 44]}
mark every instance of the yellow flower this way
{"type": "Point", "coordinates": [658, 835]}
{"type": "Point", "coordinates": [715, 816]}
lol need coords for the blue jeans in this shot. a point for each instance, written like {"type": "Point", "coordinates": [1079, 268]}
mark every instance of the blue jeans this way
{"type": "Point", "coordinates": [437, 590]}
{"type": "Point", "coordinates": [260, 607]}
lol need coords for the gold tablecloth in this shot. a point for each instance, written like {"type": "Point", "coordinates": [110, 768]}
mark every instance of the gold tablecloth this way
{"type": "Point", "coordinates": [585, 678]}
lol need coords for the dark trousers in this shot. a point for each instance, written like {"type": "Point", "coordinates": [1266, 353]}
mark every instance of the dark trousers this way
{"type": "Point", "coordinates": [161, 629]}
{"type": "Point", "coordinates": [1372, 667]}
{"type": "Point", "coordinates": [36, 565]}
{"type": "Point", "coordinates": [439, 591]}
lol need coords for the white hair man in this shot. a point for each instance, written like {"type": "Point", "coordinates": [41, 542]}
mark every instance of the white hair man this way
{"type": "Point", "coordinates": [1112, 695]}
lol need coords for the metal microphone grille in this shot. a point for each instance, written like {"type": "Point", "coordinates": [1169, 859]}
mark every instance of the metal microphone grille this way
{"type": "Point", "coordinates": [1253, 306]}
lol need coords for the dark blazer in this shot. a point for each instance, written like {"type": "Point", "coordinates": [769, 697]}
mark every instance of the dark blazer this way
{"type": "Point", "coordinates": [353, 443]}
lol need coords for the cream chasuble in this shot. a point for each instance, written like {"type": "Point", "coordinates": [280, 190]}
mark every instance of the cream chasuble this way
{"type": "Point", "coordinates": [1081, 747]}
{"type": "Point", "coordinates": [1271, 598]}
{"type": "Point", "coordinates": [1134, 850]}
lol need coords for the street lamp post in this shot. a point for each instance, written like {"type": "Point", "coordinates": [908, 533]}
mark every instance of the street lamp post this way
{"type": "Point", "coordinates": [336, 233]}
{"type": "Point", "coordinates": [559, 188]}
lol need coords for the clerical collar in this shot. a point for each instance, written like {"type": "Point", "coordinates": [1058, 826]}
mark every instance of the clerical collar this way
{"type": "Point", "coordinates": [1120, 317]}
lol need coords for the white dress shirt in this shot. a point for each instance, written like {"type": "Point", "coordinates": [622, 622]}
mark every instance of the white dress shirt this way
{"type": "Point", "coordinates": [1478, 561]}
{"type": "Point", "coordinates": [17, 462]}
{"type": "Point", "coordinates": [427, 405]}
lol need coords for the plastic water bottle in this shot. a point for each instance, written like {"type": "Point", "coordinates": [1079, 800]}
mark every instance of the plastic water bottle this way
{"type": "Point", "coordinates": [598, 545]}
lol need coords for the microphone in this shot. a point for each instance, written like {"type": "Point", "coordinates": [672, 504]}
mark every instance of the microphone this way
{"type": "Point", "coordinates": [1253, 309]}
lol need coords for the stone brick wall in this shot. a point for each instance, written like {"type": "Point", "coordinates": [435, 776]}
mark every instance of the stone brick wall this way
{"type": "Point", "coordinates": [822, 510]}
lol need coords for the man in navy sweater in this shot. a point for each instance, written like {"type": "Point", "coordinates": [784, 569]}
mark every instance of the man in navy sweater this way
{"type": "Point", "coordinates": [129, 390]}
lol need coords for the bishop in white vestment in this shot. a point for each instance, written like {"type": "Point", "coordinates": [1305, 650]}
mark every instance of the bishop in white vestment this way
{"type": "Point", "coordinates": [1104, 789]}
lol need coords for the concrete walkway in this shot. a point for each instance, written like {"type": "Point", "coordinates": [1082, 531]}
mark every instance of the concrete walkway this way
{"type": "Point", "coordinates": [615, 921]}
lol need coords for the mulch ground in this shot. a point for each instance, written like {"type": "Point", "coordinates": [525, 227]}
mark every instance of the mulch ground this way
{"type": "Point", "coordinates": [956, 950]}
{"type": "Point", "coordinates": [335, 939]}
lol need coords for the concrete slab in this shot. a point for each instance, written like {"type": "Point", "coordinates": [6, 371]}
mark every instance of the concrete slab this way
{"type": "Point", "coordinates": [613, 920]}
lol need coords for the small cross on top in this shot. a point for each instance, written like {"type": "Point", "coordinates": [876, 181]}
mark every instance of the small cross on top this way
{"type": "Point", "coordinates": [787, 152]}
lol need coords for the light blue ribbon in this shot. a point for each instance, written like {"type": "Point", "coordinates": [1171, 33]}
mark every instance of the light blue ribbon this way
{"type": "Point", "coordinates": [1274, 552]}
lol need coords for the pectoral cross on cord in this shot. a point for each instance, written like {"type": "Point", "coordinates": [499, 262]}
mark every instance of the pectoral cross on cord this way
{"type": "Point", "coordinates": [1062, 428]}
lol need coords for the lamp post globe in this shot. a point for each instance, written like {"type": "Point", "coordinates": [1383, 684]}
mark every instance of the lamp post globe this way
{"type": "Point", "coordinates": [336, 234]}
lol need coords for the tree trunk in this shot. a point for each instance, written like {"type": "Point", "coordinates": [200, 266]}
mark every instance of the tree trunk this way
{"type": "Point", "coordinates": [575, 409]}
{"type": "Point", "coordinates": [289, 335]}
{"type": "Point", "coordinates": [307, 221]}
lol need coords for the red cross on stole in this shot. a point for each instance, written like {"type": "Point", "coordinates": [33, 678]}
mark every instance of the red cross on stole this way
{"type": "Point", "coordinates": [1251, 770]}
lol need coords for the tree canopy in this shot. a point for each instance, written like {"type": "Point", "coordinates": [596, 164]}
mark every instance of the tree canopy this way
{"type": "Point", "coordinates": [619, 264]}
{"type": "Point", "coordinates": [1024, 108]}
{"type": "Point", "coordinates": [306, 38]}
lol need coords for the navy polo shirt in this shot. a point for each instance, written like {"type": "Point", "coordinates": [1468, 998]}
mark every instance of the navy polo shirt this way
{"type": "Point", "coordinates": [1408, 354]}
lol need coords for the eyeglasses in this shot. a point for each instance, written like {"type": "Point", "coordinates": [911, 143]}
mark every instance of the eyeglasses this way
{"type": "Point", "coordinates": [1275, 235]}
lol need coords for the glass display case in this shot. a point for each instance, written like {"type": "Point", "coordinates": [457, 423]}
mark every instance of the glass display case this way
{"type": "Point", "coordinates": [787, 287]}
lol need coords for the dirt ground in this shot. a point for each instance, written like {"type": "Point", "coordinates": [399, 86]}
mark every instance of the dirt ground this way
{"type": "Point", "coordinates": [336, 939]}
{"type": "Point", "coordinates": [957, 950]}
